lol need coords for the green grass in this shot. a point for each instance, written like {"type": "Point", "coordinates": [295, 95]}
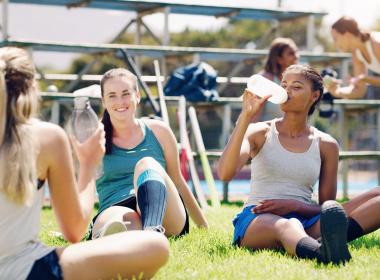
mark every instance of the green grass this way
{"type": "Point", "coordinates": [208, 254]}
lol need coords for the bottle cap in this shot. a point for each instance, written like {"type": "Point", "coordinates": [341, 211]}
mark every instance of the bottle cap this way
{"type": "Point", "coordinates": [80, 102]}
{"type": "Point", "coordinates": [90, 91]}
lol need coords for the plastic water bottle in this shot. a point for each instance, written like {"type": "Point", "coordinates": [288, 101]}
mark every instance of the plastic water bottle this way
{"type": "Point", "coordinates": [261, 86]}
{"type": "Point", "coordinates": [84, 119]}
{"type": "Point", "coordinates": [84, 122]}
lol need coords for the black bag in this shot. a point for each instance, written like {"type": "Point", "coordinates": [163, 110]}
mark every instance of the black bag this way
{"type": "Point", "coordinates": [326, 107]}
{"type": "Point", "coordinates": [197, 82]}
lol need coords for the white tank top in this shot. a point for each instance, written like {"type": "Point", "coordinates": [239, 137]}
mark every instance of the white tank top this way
{"type": "Point", "coordinates": [277, 173]}
{"type": "Point", "coordinates": [375, 63]}
{"type": "Point", "coordinates": [19, 245]}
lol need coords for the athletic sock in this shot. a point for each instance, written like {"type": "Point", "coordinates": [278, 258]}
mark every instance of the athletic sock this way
{"type": "Point", "coordinates": [354, 230]}
{"type": "Point", "coordinates": [152, 199]}
{"type": "Point", "coordinates": [308, 248]}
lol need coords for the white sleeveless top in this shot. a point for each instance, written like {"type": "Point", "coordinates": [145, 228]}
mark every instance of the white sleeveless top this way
{"type": "Point", "coordinates": [19, 245]}
{"type": "Point", "coordinates": [277, 173]}
{"type": "Point", "coordinates": [375, 63]}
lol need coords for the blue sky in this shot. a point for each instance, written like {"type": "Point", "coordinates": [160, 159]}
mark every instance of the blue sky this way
{"type": "Point", "coordinates": [93, 25]}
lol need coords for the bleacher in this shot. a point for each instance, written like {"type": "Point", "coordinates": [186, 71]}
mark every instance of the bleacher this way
{"type": "Point", "coordinates": [164, 49]}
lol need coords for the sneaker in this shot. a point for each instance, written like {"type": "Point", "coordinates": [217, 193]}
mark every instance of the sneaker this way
{"type": "Point", "coordinates": [159, 229]}
{"type": "Point", "coordinates": [334, 223]}
{"type": "Point", "coordinates": [112, 228]}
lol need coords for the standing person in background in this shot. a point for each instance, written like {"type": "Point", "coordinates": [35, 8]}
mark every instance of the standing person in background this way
{"type": "Point", "coordinates": [365, 50]}
{"type": "Point", "coordinates": [142, 186]}
{"type": "Point", "coordinates": [32, 152]}
{"type": "Point", "coordinates": [283, 52]}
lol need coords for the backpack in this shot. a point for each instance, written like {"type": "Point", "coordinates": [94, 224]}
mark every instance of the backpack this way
{"type": "Point", "coordinates": [197, 82]}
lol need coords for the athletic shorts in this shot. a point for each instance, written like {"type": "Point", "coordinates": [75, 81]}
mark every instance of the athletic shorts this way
{"type": "Point", "coordinates": [246, 216]}
{"type": "Point", "coordinates": [131, 202]}
{"type": "Point", "coordinates": [46, 268]}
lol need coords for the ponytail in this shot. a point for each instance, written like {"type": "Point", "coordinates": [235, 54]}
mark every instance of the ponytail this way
{"type": "Point", "coordinates": [106, 120]}
{"type": "Point", "coordinates": [18, 103]}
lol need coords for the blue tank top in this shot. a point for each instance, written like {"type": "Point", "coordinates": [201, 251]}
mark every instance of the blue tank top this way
{"type": "Point", "coordinates": [116, 183]}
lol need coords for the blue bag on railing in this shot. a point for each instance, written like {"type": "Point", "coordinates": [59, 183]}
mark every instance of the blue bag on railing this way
{"type": "Point", "coordinates": [197, 82]}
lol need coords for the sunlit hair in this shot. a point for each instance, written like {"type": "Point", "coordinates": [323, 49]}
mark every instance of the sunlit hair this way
{"type": "Point", "coordinates": [18, 104]}
{"type": "Point", "coordinates": [106, 120]}
{"type": "Point", "coordinates": [277, 48]}
{"type": "Point", "coordinates": [312, 76]}
{"type": "Point", "coordinates": [348, 24]}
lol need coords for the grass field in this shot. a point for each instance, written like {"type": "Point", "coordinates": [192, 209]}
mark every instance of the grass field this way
{"type": "Point", "coordinates": [208, 254]}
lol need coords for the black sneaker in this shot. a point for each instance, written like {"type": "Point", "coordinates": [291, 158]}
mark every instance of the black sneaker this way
{"type": "Point", "coordinates": [334, 222]}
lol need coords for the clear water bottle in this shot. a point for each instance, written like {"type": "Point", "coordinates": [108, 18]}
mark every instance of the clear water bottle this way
{"type": "Point", "coordinates": [262, 86]}
{"type": "Point", "coordinates": [84, 122]}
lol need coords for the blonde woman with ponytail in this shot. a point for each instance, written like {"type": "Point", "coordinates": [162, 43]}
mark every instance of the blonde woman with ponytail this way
{"type": "Point", "coordinates": [33, 152]}
{"type": "Point", "coordinates": [365, 49]}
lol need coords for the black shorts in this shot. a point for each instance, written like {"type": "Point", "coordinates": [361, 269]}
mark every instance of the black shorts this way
{"type": "Point", "coordinates": [46, 268]}
{"type": "Point", "coordinates": [131, 202]}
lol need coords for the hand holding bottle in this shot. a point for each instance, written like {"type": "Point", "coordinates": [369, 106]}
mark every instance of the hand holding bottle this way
{"type": "Point", "coordinates": [85, 126]}
{"type": "Point", "coordinates": [91, 151]}
{"type": "Point", "coordinates": [252, 103]}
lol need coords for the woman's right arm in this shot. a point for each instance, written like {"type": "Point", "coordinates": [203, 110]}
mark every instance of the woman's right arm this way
{"type": "Point", "coordinates": [72, 202]}
{"type": "Point", "coordinates": [355, 89]}
{"type": "Point", "coordinates": [238, 149]}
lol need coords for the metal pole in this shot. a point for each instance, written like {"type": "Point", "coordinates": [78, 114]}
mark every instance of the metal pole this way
{"type": "Point", "coordinates": [344, 131]}
{"type": "Point", "coordinates": [225, 191]}
{"type": "Point", "coordinates": [165, 40]}
{"type": "Point", "coordinates": [310, 33]}
{"type": "Point", "coordinates": [5, 20]}
{"type": "Point", "coordinates": [378, 143]}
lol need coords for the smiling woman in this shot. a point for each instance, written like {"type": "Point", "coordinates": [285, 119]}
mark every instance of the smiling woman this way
{"type": "Point", "coordinates": [142, 186]}
{"type": "Point", "coordinates": [33, 152]}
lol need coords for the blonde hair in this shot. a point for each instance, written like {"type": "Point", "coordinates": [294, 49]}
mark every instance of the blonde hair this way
{"type": "Point", "coordinates": [18, 104]}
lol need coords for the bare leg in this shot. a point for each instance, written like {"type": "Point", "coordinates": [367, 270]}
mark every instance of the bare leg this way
{"type": "Point", "coordinates": [118, 213]}
{"type": "Point", "coordinates": [125, 254]}
{"type": "Point", "coordinates": [272, 231]}
{"type": "Point", "coordinates": [364, 210]}
{"type": "Point", "coordinates": [175, 216]}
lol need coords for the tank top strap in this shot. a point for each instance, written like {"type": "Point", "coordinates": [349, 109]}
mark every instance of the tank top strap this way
{"type": "Point", "coordinates": [314, 147]}
{"type": "Point", "coordinates": [143, 126]}
{"type": "Point", "coordinates": [273, 129]}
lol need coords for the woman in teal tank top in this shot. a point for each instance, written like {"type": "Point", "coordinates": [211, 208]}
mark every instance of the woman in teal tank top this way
{"type": "Point", "coordinates": [32, 150]}
{"type": "Point", "coordinates": [141, 186]}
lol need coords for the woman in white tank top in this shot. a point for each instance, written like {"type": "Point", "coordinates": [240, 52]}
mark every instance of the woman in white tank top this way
{"type": "Point", "coordinates": [32, 151]}
{"type": "Point", "coordinates": [288, 157]}
{"type": "Point", "coordinates": [365, 50]}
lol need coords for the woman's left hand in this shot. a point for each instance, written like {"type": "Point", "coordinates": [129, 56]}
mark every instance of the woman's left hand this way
{"type": "Point", "coordinates": [91, 151]}
{"type": "Point", "coordinates": [276, 206]}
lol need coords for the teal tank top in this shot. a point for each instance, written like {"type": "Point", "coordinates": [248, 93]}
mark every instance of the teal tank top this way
{"type": "Point", "coordinates": [116, 183]}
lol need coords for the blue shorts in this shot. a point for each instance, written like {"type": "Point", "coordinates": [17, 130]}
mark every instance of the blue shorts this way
{"type": "Point", "coordinates": [46, 268]}
{"type": "Point", "coordinates": [245, 217]}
